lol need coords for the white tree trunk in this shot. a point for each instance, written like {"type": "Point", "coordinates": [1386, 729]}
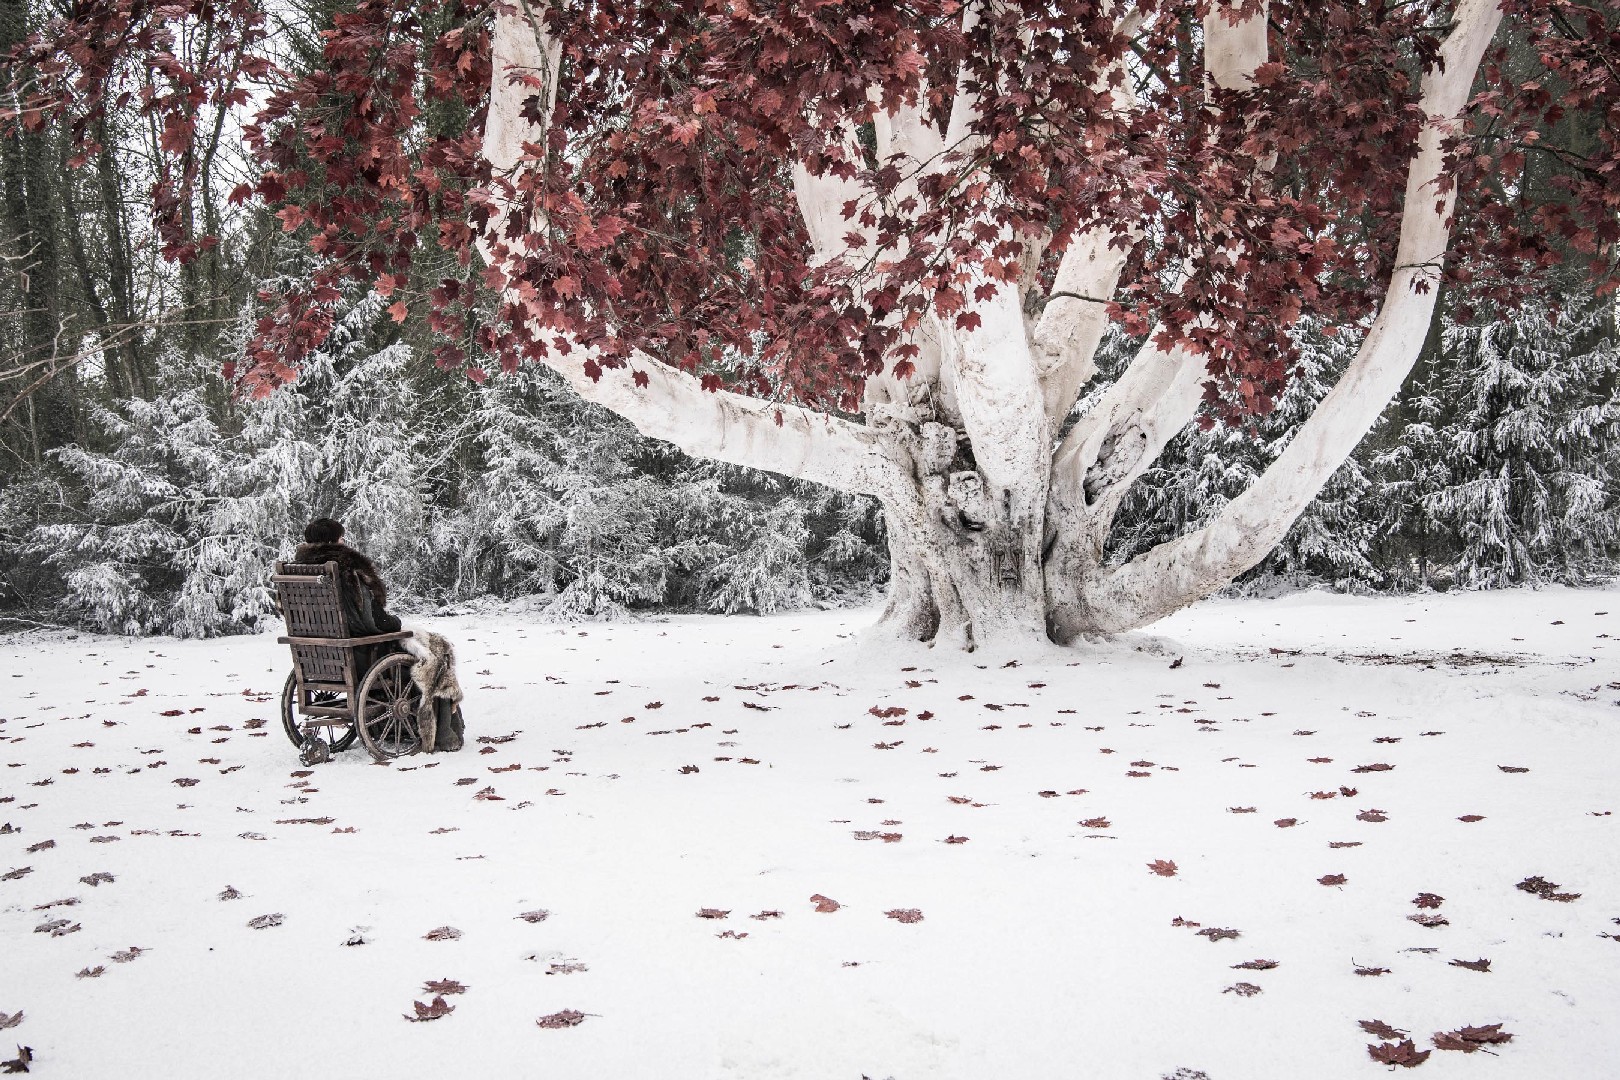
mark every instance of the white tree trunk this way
{"type": "Point", "coordinates": [997, 534]}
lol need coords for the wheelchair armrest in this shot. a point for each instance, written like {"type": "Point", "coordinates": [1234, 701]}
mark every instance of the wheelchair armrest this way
{"type": "Point", "coordinates": [346, 642]}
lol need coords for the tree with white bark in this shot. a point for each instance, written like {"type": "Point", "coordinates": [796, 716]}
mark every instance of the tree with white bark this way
{"type": "Point", "coordinates": [877, 245]}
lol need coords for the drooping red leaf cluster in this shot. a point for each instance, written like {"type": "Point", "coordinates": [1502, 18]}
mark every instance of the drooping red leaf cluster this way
{"type": "Point", "coordinates": [659, 215]}
{"type": "Point", "coordinates": [163, 61]}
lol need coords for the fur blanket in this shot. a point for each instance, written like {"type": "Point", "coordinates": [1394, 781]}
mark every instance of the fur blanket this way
{"type": "Point", "coordinates": [439, 719]}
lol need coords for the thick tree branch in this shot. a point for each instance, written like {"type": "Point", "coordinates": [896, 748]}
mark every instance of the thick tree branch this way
{"type": "Point", "coordinates": [821, 202]}
{"type": "Point", "coordinates": [659, 400]}
{"type": "Point", "coordinates": [1072, 324]}
{"type": "Point", "coordinates": [733, 428]}
{"type": "Point", "coordinates": [1075, 318]}
{"type": "Point", "coordinates": [1234, 48]}
{"type": "Point", "coordinates": [1177, 573]}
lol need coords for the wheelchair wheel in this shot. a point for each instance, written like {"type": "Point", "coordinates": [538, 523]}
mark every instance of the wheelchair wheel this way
{"type": "Point", "coordinates": [338, 737]}
{"type": "Point", "coordinates": [387, 707]}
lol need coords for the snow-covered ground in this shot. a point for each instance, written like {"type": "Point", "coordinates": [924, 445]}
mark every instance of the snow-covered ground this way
{"type": "Point", "coordinates": [741, 767]}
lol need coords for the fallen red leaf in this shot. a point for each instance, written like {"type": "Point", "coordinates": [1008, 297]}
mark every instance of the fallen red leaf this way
{"type": "Point", "coordinates": [438, 1008]}
{"type": "Point", "coordinates": [444, 986]}
{"type": "Point", "coordinates": [1469, 1039]}
{"type": "Point", "coordinates": [564, 1019]}
{"type": "Point", "coordinates": [1404, 1054]}
{"type": "Point", "coordinates": [1381, 1029]}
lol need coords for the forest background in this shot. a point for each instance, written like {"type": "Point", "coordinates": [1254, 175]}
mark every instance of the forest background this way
{"type": "Point", "coordinates": [139, 494]}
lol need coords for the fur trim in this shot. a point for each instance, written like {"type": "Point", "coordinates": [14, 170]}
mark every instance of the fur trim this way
{"type": "Point", "coordinates": [350, 562]}
{"type": "Point", "coordinates": [435, 674]}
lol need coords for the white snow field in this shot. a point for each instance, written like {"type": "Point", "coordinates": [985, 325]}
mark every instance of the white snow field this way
{"type": "Point", "coordinates": [1310, 765]}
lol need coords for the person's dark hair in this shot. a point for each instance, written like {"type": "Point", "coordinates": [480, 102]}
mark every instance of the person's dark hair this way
{"type": "Point", "coordinates": [323, 531]}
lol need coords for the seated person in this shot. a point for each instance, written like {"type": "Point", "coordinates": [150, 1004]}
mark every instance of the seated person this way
{"type": "Point", "coordinates": [364, 595]}
{"type": "Point", "coordinates": [365, 600]}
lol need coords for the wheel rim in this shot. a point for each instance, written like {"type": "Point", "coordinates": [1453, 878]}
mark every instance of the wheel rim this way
{"type": "Point", "coordinates": [338, 737]}
{"type": "Point", "coordinates": [390, 705]}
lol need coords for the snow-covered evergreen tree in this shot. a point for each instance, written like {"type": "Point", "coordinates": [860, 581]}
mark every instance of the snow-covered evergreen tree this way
{"type": "Point", "coordinates": [145, 504]}
{"type": "Point", "coordinates": [1203, 469]}
{"type": "Point", "coordinates": [1530, 446]}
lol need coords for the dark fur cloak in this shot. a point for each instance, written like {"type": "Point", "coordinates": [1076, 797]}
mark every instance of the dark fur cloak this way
{"type": "Point", "coordinates": [364, 595]}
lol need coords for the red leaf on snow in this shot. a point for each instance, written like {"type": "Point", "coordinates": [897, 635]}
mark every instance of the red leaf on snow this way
{"type": "Point", "coordinates": [1286, 822]}
{"type": "Point", "coordinates": [1372, 971]}
{"type": "Point", "coordinates": [712, 913]}
{"type": "Point", "coordinates": [1163, 867]}
{"type": "Point", "coordinates": [1242, 989]}
{"type": "Point", "coordinates": [1469, 1039]}
{"type": "Point", "coordinates": [1216, 933]}
{"type": "Point", "coordinates": [1375, 767]}
{"type": "Point", "coordinates": [442, 933]}
{"type": "Point", "coordinates": [1332, 879]}
{"type": "Point", "coordinates": [956, 840]}
{"type": "Point", "coordinates": [1513, 768]}
{"type": "Point", "coordinates": [905, 915]}
{"type": "Point", "coordinates": [1473, 965]}
{"type": "Point", "coordinates": [1428, 900]}
{"type": "Point", "coordinates": [438, 1008]}
{"type": "Point", "coordinates": [1095, 823]}
{"type": "Point", "coordinates": [1381, 1029]}
{"type": "Point", "coordinates": [563, 1019]}
{"type": "Point", "coordinates": [825, 904]}
{"type": "Point", "coordinates": [444, 986]}
{"type": "Point", "coordinates": [1404, 1054]}
{"type": "Point", "coordinates": [1471, 818]}
{"type": "Point", "coordinates": [1545, 889]}
{"type": "Point", "coordinates": [1256, 965]}
{"type": "Point", "coordinates": [1372, 815]}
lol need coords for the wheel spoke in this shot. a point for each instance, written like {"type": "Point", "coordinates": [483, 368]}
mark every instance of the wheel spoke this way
{"type": "Point", "coordinates": [388, 712]}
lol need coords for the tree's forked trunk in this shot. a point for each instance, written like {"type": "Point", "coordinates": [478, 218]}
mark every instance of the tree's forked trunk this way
{"type": "Point", "coordinates": [997, 527]}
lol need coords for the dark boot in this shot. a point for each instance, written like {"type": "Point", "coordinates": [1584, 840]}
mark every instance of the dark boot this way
{"type": "Point", "coordinates": [451, 727]}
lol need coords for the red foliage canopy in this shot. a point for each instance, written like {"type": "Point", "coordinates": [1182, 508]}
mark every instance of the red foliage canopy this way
{"type": "Point", "coordinates": [665, 195]}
